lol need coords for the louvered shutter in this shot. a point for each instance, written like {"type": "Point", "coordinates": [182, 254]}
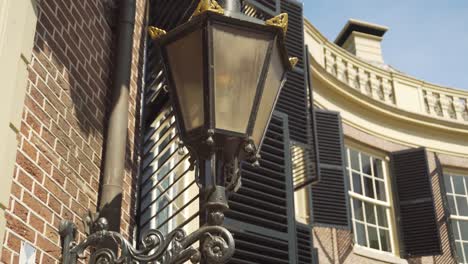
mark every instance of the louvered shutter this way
{"type": "Point", "coordinates": [330, 194]}
{"type": "Point", "coordinates": [165, 15]}
{"type": "Point", "coordinates": [269, 7]}
{"type": "Point", "coordinates": [295, 33]}
{"type": "Point", "coordinates": [293, 98]}
{"type": "Point", "coordinates": [311, 173]}
{"type": "Point", "coordinates": [305, 248]}
{"type": "Point", "coordinates": [261, 213]}
{"type": "Point", "coordinates": [414, 204]}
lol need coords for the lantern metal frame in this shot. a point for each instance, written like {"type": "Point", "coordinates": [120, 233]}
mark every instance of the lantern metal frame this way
{"type": "Point", "coordinates": [203, 138]}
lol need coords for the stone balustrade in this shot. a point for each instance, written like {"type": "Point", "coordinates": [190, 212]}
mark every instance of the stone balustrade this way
{"type": "Point", "coordinates": [370, 83]}
{"type": "Point", "coordinates": [384, 84]}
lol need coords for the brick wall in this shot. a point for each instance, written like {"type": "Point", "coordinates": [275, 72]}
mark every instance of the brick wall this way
{"type": "Point", "coordinates": [59, 156]}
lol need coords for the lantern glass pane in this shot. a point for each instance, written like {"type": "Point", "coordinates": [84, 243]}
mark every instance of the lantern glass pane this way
{"type": "Point", "coordinates": [270, 91]}
{"type": "Point", "coordinates": [185, 57]}
{"type": "Point", "coordinates": [239, 57]}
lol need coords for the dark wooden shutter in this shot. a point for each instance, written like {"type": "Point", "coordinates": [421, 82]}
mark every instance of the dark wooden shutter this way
{"type": "Point", "coordinates": [295, 33]}
{"type": "Point", "coordinates": [261, 213]}
{"type": "Point", "coordinates": [305, 249]}
{"type": "Point", "coordinates": [311, 173]}
{"type": "Point", "coordinates": [414, 204]}
{"type": "Point", "coordinates": [293, 98]}
{"type": "Point", "coordinates": [330, 194]}
{"type": "Point", "coordinates": [165, 15]}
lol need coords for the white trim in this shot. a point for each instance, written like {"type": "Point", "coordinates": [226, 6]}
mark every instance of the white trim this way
{"type": "Point", "coordinates": [367, 199]}
{"type": "Point", "coordinates": [386, 205]}
{"type": "Point", "coordinates": [378, 255]}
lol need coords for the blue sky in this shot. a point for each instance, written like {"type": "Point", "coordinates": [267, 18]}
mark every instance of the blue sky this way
{"type": "Point", "coordinates": [427, 39]}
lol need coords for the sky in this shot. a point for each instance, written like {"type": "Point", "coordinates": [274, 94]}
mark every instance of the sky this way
{"type": "Point", "coordinates": [427, 39]}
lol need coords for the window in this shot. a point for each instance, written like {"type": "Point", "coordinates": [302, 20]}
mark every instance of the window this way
{"type": "Point", "coordinates": [169, 193]}
{"type": "Point", "coordinates": [457, 196]}
{"type": "Point", "coordinates": [370, 201]}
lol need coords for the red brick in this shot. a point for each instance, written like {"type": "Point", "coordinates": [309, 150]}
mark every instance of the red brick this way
{"type": "Point", "coordinates": [56, 190]}
{"type": "Point", "coordinates": [78, 209]}
{"type": "Point", "coordinates": [58, 177]}
{"type": "Point", "coordinates": [48, 246]}
{"type": "Point", "coordinates": [44, 148]}
{"type": "Point", "coordinates": [51, 96]}
{"type": "Point", "coordinates": [83, 199]}
{"type": "Point", "coordinates": [33, 122]}
{"type": "Point", "coordinates": [16, 190]}
{"type": "Point", "coordinates": [61, 150]}
{"type": "Point", "coordinates": [37, 207]}
{"type": "Point", "coordinates": [68, 214]}
{"type": "Point", "coordinates": [71, 188]}
{"type": "Point", "coordinates": [46, 259]}
{"type": "Point", "coordinates": [46, 63]}
{"type": "Point", "coordinates": [40, 44]}
{"type": "Point", "coordinates": [39, 69]}
{"type": "Point", "coordinates": [36, 95]}
{"type": "Point", "coordinates": [62, 135]}
{"type": "Point", "coordinates": [25, 129]}
{"type": "Point", "coordinates": [74, 163]}
{"type": "Point", "coordinates": [37, 110]}
{"type": "Point", "coordinates": [36, 223]}
{"type": "Point", "coordinates": [48, 137]}
{"type": "Point", "coordinates": [54, 204]}
{"type": "Point", "coordinates": [52, 234]}
{"type": "Point", "coordinates": [50, 110]}
{"type": "Point", "coordinates": [6, 255]}
{"type": "Point", "coordinates": [49, 10]}
{"type": "Point", "coordinates": [20, 211]}
{"type": "Point", "coordinates": [29, 167]}
{"type": "Point", "coordinates": [85, 174]}
{"type": "Point", "coordinates": [40, 193]}
{"type": "Point", "coordinates": [25, 180]}
{"type": "Point", "coordinates": [19, 228]}
{"type": "Point", "coordinates": [29, 149]}
{"type": "Point", "coordinates": [14, 242]}
{"type": "Point", "coordinates": [45, 164]}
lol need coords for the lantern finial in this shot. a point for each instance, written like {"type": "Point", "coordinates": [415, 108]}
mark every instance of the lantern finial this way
{"type": "Point", "coordinates": [293, 61]}
{"type": "Point", "coordinates": [279, 21]}
{"type": "Point", "coordinates": [208, 6]}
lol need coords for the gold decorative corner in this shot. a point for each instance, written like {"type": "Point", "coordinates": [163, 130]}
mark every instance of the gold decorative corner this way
{"type": "Point", "coordinates": [208, 6]}
{"type": "Point", "coordinates": [155, 32]}
{"type": "Point", "coordinates": [279, 21]}
{"type": "Point", "coordinates": [293, 61]}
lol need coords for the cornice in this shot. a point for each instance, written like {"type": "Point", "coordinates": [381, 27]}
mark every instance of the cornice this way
{"type": "Point", "coordinates": [383, 108]}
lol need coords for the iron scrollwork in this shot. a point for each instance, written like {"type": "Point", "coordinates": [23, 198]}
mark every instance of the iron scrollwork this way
{"type": "Point", "coordinates": [216, 242]}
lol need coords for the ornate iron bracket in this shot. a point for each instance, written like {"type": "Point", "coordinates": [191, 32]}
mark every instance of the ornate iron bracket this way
{"type": "Point", "coordinates": [216, 242]}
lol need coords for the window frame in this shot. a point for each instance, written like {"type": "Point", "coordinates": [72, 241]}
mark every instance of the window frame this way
{"type": "Point", "coordinates": [450, 172]}
{"type": "Point", "coordinates": [388, 204]}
